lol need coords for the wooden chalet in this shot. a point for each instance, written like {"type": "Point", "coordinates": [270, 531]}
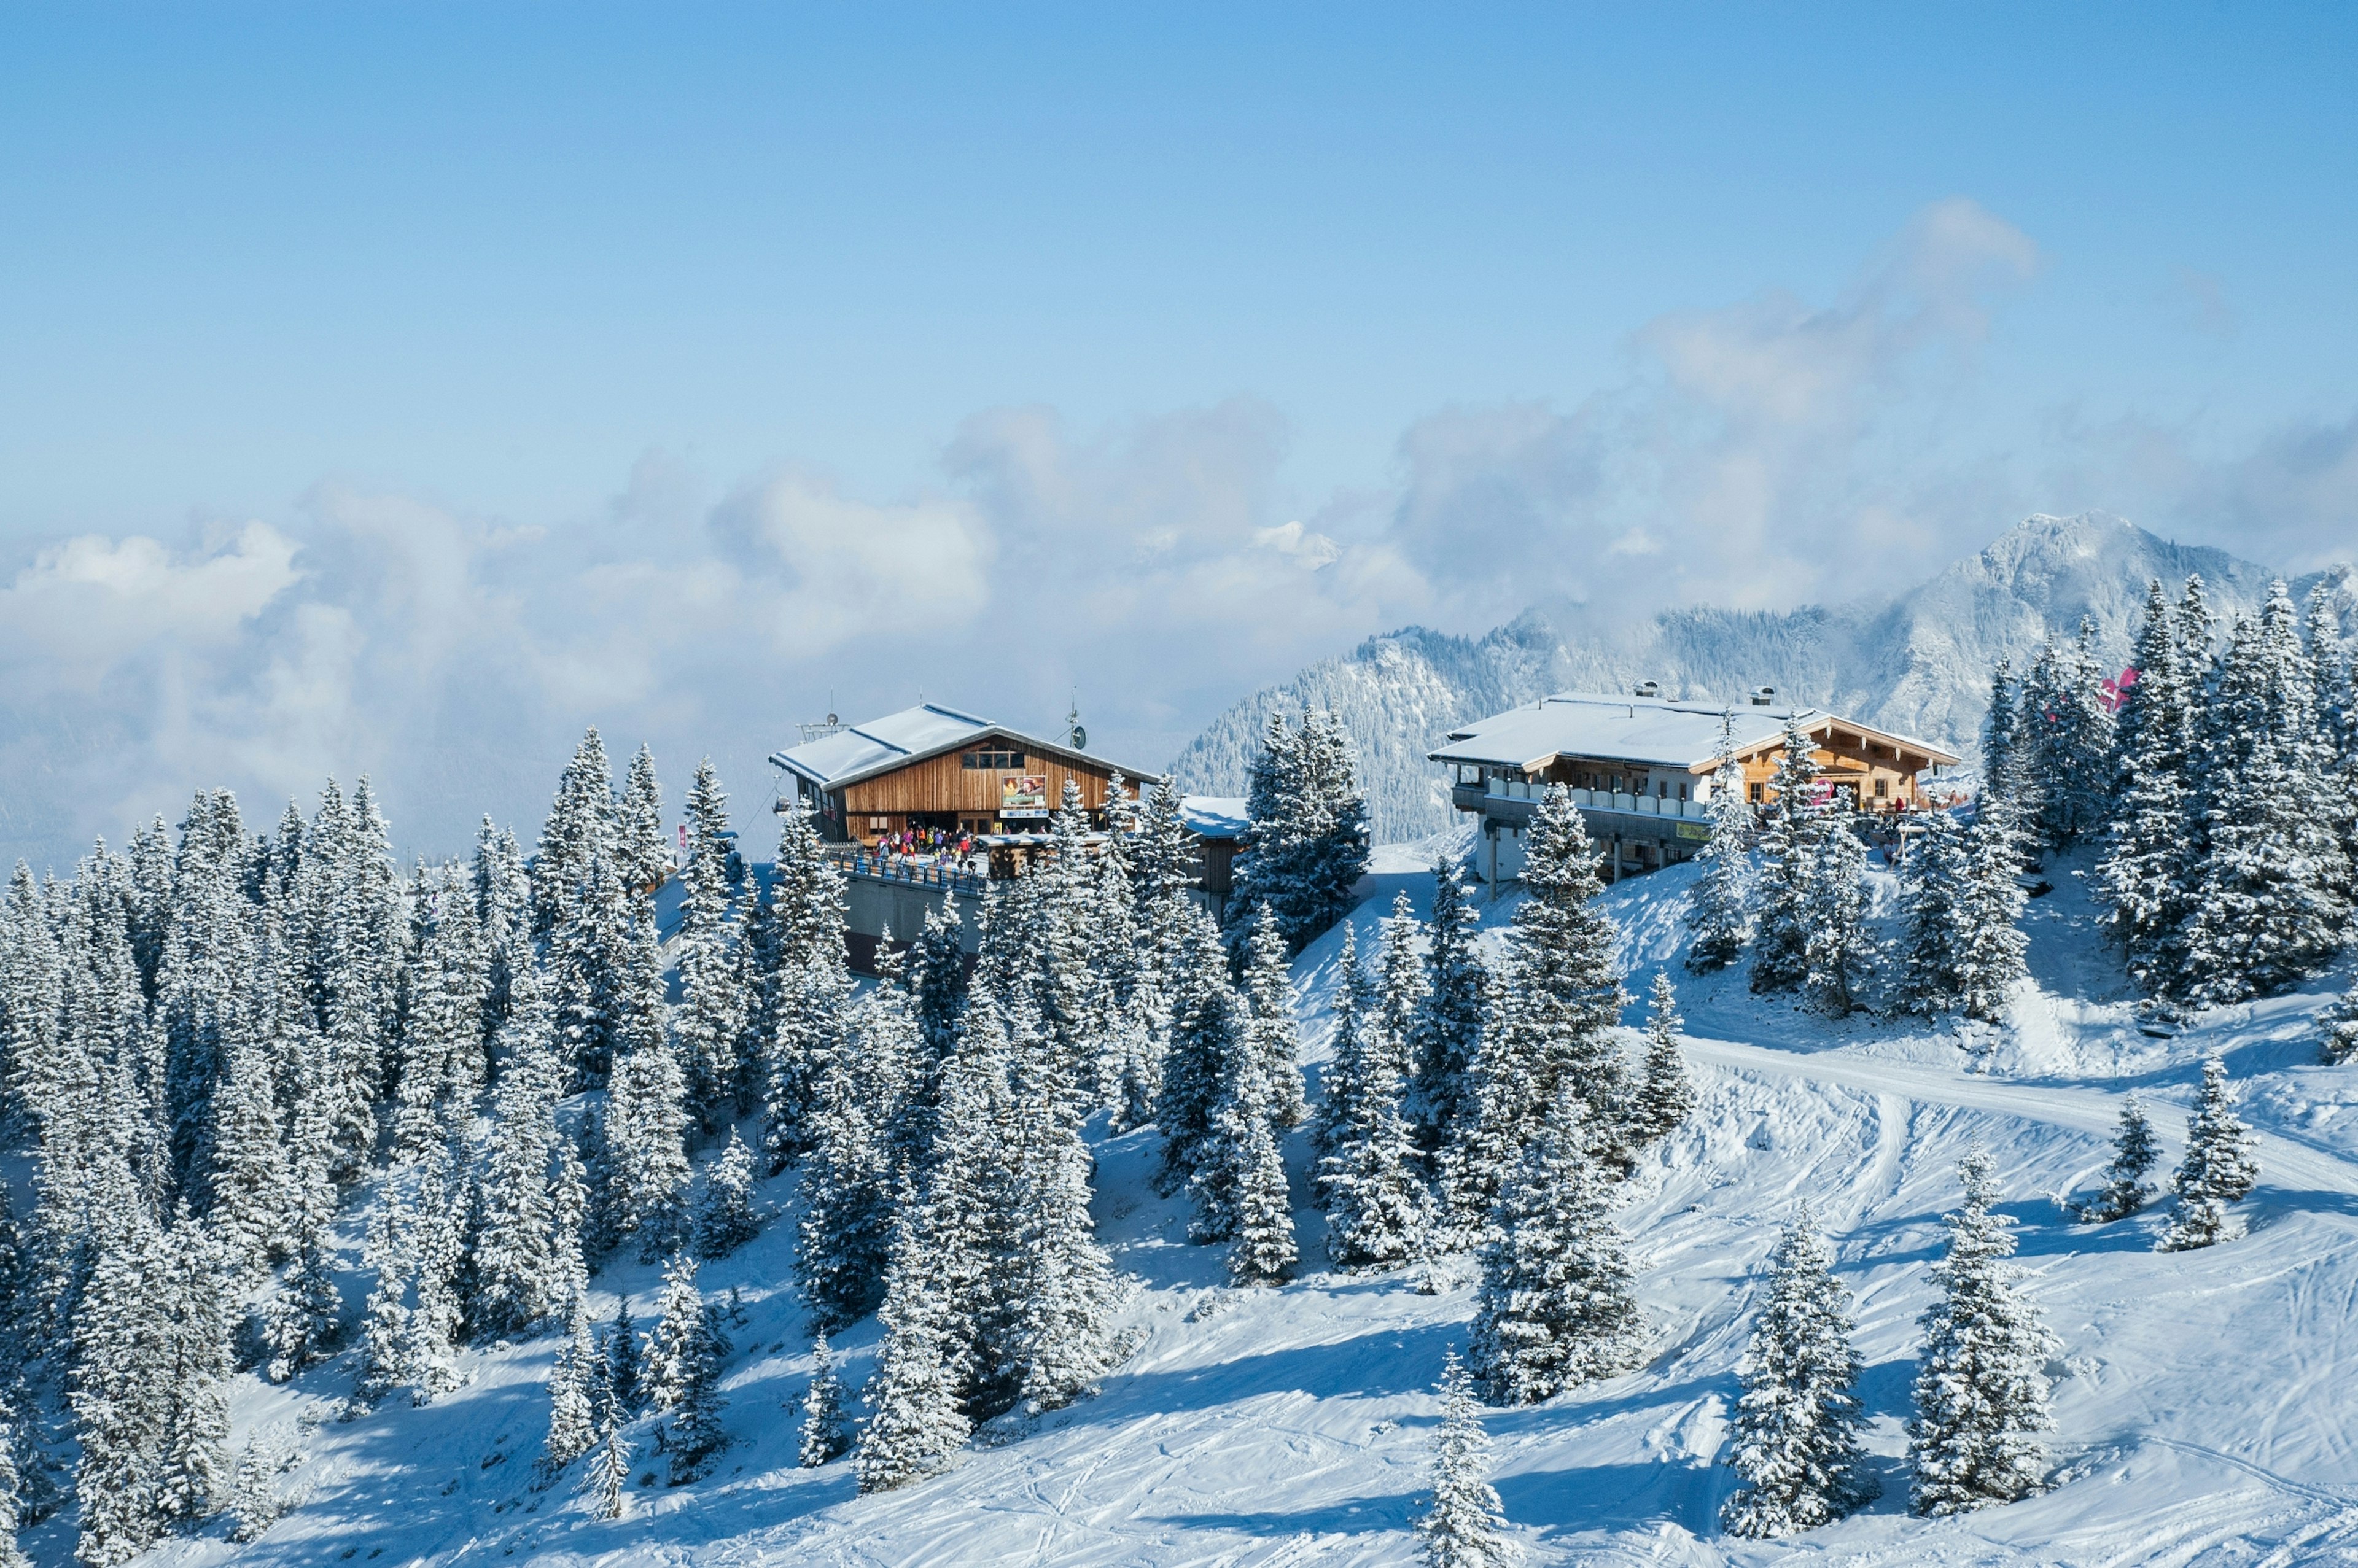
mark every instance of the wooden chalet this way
{"type": "Point", "coordinates": [1641, 770]}
{"type": "Point", "coordinates": [934, 767]}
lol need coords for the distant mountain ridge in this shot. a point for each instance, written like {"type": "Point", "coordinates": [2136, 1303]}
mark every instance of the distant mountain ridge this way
{"type": "Point", "coordinates": [1917, 663]}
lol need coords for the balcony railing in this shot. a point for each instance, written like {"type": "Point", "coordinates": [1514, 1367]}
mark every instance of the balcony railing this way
{"type": "Point", "coordinates": [925, 871]}
{"type": "Point", "coordinates": [1602, 800]}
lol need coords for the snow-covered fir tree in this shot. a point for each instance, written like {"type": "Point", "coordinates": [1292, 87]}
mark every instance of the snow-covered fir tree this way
{"type": "Point", "coordinates": [2338, 1030]}
{"type": "Point", "coordinates": [1665, 1097]}
{"type": "Point", "coordinates": [1309, 835]}
{"type": "Point", "coordinates": [1370, 1180]}
{"type": "Point", "coordinates": [574, 1381]}
{"type": "Point", "coordinates": [1933, 876]}
{"type": "Point", "coordinates": [2146, 879]}
{"type": "Point", "coordinates": [12, 1492]}
{"type": "Point", "coordinates": [1057, 1280]}
{"type": "Point", "coordinates": [2219, 1169]}
{"type": "Point", "coordinates": [724, 1209]}
{"type": "Point", "coordinates": [518, 1261]}
{"type": "Point", "coordinates": [647, 1174]}
{"type": "Point", "coordinates": [2135, 1153]}
{"type": "Point", "coordinates": [1798, 1419]}
{"type": "Point", "coordinates": [383, 1364]}
{"type": "Point", "coordinates": [1980, 1394]}
{"type": "Point", "coordinates": [1839, 946]}
{"type": "Point", "coordinates": [692, 1435]}
{"type": "Point", "coordinates": [679, 1325]}
{"type": "Point", "coordinates": [1462, 1526]}
{"type": "Point", "coordinates": [1271, 1038]}
{"type": "Point", "coordinates": [642, 852]}
{"type": "Point", "coordinates": [1343, 1083]}
{"type": "Point", "coordinates": [582, 827]}
{"type": "Point", "coordinates": [709, 1024]}
{"type": "Point", "coordinates": [849, 1176]}
{"type": "Point", "coordinates": [609, 1478]}
{"type": "Point", "coordinates": [826, 1429]}
{"type": "Point", "coordinates": [438, 1254]}
{"type": "Point", "coordinates": [809, 991]}
{"type": "Point", "coordinates": [1719, 913]}
{"type": "Point", "coordinates": [588, 957]}
{"type": "Point", "coordinates": [2271, 903]}
{"type": "Point", "coordinates": [1556, 1304]}
{"type": "Point", "coordinates": [1793, 832]}
{"type": "Point", "coordinates": [1208, 1044]}
{"type": "Point", "coordinates": [622, 1346]}
{"type": "Point", "coordinates": [1556, 1007]}
{"type": "Point", "coordinates": [918, 1420]}
{"type": "Point", "coordinates": [1449, 1033]}
{"type": "Point", "coordinates": [2064, 739]}
{"type": "Point", "coordinates": [1988, 950]}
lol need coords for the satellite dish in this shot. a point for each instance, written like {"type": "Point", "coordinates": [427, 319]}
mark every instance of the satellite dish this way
{"type": "Point", "coordinates": [832, 720]}
{"type": "Point", "coordinates": [1080, 739]}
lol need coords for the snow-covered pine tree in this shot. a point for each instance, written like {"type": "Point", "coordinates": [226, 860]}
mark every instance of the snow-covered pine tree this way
{"type": "Point", "coordinates": [1334, 854]}
{"type": "Point", "coordinates": [1448, 1034]}
{"type": "Point", "coordinates": [1058, 1281]}
{"type": "Point", "coordinates": [2271, 905]}
{"type": "Point", "coordinates": [646, 1117]}
{"type": "Point", "coordinates": [583, 825]}
{"type": "Point", "coordinates": [695, 1435]}
{"type": "Point", "coordinates": [1343, 1085]}
{"type": "Point", "coordinates": [642, 852]}
{"type": "Point", "coordinates": [385, 1324]}
{"type": "Point", "coordinates": [2006, 763]}
{"type": "Point", "coordinates": [12, 1492]}
{"type": "Point", "coordinates": [503, 911]}
{"type": "Point", "coordinates": [1792, 835]}
{"type": "Point", "coordinates": [1932, 877]}
{"type": "Point", "coordinates": [1207, 1040]}
{"type": "Point", "coordinates": [1556, 1004]}
{"type": "Point", "coordinates": [918, 1421]}
{"type": "Point", "coordinates": [123, 1349]}
{"type": "Point", "coordinates": [1665, 1097]}
{"type": "Point", "coordinates": [724, 1210]}
{"type": "Point", "coordinates": [810, 998]}
{"type": "Point", "coordinates": [1378, 1212]}
{"type": "Point", "coordinates": [2135, 1153]}
{"type": "Point", "coordinates": [1980, 1391]}
{"type": "Point", "coordinates": [1462, 1527]}
{"type": "Point", "coordinates": [621, 1343]}
{"type": "Point", "coordinates": [2064, 738]}
{"type": "Point", "coordinates": [826, 1432]}
{"type": "Point", "coordinates": [517, 1261]}
{"type": "Point", "coordinates": [710, 1021]}
{"type": "Point", "coordinates": [849, 1181]}
{"type": "Point", "coordinates": [246, 1195]}
{"type": "Point", "coordinates": [679, 1306]}
{"type": "Point", "coordinates": [1271, 1037]}
{"type": "Point", "coordinates": [1720, 908]}
{"type": "Point", "coordinates": [610, 1469]}
{"type": "Point", "coordinates": [573, 1381]}
{"type": "Point", "coordinates": [2146, 876]}
{"type": "Point", "coordinates": [1798, 1423]}
{"type": "Point", "coordinates": [2219, 1168]}
{"type": "Point", "coordinates": [1989, 948]}
{"type": "Point", "coordinates": [2331, 677]}
{"type": "Point", "coordinates": [1839, 947]}
{"type": "Point", "coordinates": [1261, 1250]}
{"type": "Point", "coordinates": [587, 954]}
{"type": "Point", "coordinates": [1555, 1305]}
{"type": "Point", "coordinates": [1310, 841]}
{"type": "Point", "coordinates": [439, 1255]}
{"type": "Point", "coordinates": [2338, 1028]}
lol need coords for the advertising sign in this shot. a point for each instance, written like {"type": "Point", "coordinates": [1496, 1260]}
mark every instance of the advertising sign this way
{"type": "Point", "coordinates": [1023, 794]}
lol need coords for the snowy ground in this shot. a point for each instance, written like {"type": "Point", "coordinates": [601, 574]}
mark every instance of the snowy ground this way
{"type": "Point", "coordinates": [2203, 1400]}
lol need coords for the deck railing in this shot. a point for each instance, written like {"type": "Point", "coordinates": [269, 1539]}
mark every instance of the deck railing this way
{"type": "Point", "coordinates": [858, 860]}
{"type": "Point", "coordinates": [1602, 799]}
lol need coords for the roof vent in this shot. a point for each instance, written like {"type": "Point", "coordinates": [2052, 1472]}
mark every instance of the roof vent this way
{"type": "Point", "coordinates": [1649, 688]}
{"type": "Point", "coordinates": [1762, 697]}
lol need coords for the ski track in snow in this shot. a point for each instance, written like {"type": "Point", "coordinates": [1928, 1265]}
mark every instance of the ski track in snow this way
{"type": "Point", "coordinates": [2201, 1398]}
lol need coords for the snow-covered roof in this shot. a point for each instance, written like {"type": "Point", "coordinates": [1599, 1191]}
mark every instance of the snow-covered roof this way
{"type": "Point", "coordinates": [877, 745]}
{"type": "Point", "coordinates": [1649, 729]}
{"type": "Point", "coordinates": [1216, 815]}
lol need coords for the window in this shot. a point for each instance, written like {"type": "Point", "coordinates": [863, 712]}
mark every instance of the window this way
{"type": "Point", "coordinates": [1759, 793]}
{"type": "Point", "coordinates": [1882, 788]}
{"type": "Point", "coordinates": [991, 761]}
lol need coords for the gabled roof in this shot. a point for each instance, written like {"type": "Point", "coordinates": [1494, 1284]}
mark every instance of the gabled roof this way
{"type": "Point", "coordinates": [861, 750]}
{"type": "Point", "coordinates": [1649, 730]}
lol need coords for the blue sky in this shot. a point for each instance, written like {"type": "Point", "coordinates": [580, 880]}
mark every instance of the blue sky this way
{"type": "Point", "coordinates": [529, 314]}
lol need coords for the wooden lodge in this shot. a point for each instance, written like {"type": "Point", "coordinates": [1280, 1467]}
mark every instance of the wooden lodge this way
{"type": "Point", "coordinates": [1641, 769]}
{"type": "Point", "coordinates": [934, 767]}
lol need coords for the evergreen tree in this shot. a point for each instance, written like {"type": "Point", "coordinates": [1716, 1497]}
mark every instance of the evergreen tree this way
{"type": "Point", "coordinates": [582, 827]}
{"type": "Point", "coordinates": [1798, 1423]}
{"type": "Point", "coordinates": [246, 1179]}
{"type": "Point", "coordinates": [696, 1434]}
{"type": "Point", "coordinates": [622, 1359]}
{"type": "Point", "coordinates": [1343, 1082]}
{"type": "Point", "coordinates": [826, 1432]}
{"type": "Point", "coordinates": [672, 1342]}
{"type": "Point", "coordinates": [1720, 909]}
{"type": "Point", "coordinates": [588, 960]}
{"type": "Point", "coordinates": [642, 853]}
{"type": "Point", "coordinates": [646, 1119]}
{"type": "Point", "coordinates": [2146, 879]}
{"type": "Point", "coordinates": [12, 1493]}
{"type": "Point", "coordinates": [609, 1470]}
{"type": "Point", "coordinates": [305, 1313]}
{"type": "Point", "coordinates": [2064, 739]}
{"type": "Point", "coordinates": [518, 1261]}
{"type": "Point", "coordinates": [1989, 945]}
{"type": "Point", "coordinates": [1665, 1097]}
{"type": "Point", "coordinates": [2338, 1023]}
{"type": "Point", "coordinates": [1793, 832]}
{"type": "Point", "coordinates": [1839, 948]}
{"type": "Point", "coordinates": [1262, 1252]}
{"type": "Point", "coordinates": [1271, 1038]}
{"type": "Point", "coordinates": [2271, 901]}
{"type": "Point", "coordinates": [1310, 839]}
{"type": "Point", "coordinates": [918, 1421]}
{"type": "Point", "coordinates": [849, 1179]}
{"type": "Point", "coordinates": [724, 1216]}
{"type": "Point", "coordinates": [1933, 877]}
{"type": "Point", "coordinates": [1059, 1281]}
{"type": "Point", "coordinates": [384, 1326]}
{"type": "Point", "coordinates": [1207, 1043]}
{"type": "Point", "coordinates": [1448, 1034]}
{"type": "Point", "coordinates": [710, 1022]}
{"type": "Point", "coordinates": [1980, 1391]}
{"type": "Point", "coordinates": [1555, 1305]}
{"type": "Point", "coordinates": [437, 1255]}
{"type": "Point", "coordinates": [2219, 1168]}
{"type": "Point", "coordinates": [2135, 1153]}
{"type": "Point", "coordinates": [124, 1358]}
{"type": "Point", "coordinates": [811, 994]}
{"type": "Point", "coordinates": [1462, 1527]}
{"type": "Point", "coordinates": [573, 1381]}
{"type": "Point", "coordinates": [1378, 1211]}
{"type": "Point", "coordinates": [1558, 1001]}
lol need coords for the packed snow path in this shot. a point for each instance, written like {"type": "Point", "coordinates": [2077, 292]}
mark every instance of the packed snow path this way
{"type": "Point", "coordinates": [2203, 1400]}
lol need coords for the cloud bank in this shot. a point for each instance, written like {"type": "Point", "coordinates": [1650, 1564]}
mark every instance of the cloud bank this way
{"type": "Point", "coordinates": [1766, 452]}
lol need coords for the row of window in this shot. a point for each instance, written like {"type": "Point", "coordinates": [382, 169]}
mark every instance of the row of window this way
{"type": "Point", "coordinates": [991, 760]}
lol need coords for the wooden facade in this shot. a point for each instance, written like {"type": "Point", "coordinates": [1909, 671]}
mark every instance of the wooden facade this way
{"type": "Point", "coordinates": [963, 789]}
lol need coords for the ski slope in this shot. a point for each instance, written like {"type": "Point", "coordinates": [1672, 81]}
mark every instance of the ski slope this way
{"type": "Point", "coordinates": [2203, 1401]}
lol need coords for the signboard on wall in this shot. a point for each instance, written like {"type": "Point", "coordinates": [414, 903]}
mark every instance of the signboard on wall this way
{"type": "Point", "coordinates": [1023, 794]}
